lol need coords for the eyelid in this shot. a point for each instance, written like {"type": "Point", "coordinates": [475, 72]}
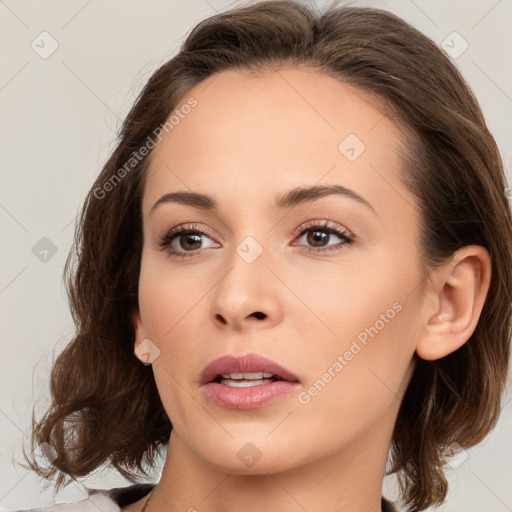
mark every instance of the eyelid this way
{"type": "Point", "coordinates": [324, 224]}
{"type": "Point", "coordinates": [186, 227]}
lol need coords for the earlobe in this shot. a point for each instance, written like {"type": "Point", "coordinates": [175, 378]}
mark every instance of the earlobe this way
{"type": "Point", "coordinates": [460, 290]}
{"type": "Point", "coordinates": [144, 349]}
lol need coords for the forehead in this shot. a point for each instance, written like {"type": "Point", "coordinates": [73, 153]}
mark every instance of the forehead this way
{"type": "Point", "coordinates": [249, 135]}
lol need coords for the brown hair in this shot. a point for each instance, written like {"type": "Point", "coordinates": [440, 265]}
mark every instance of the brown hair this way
{"type": "Point", "coordinates": [105, 404]}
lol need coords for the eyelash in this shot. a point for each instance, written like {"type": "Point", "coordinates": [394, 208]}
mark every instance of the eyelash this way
{"type": "Point", "coordinates": [192, 229]}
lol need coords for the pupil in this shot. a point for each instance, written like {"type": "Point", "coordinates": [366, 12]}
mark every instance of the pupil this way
{"type": "Point", "coordinates": [317, 236]}
{"type": "Point", "coordinates": [189, 237]}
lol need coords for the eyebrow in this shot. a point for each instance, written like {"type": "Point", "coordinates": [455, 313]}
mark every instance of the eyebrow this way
{"type": "Point", "coordinates": [290, 199]}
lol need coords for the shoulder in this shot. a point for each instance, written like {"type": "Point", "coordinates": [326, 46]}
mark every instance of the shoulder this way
{"type": "Point", "coordinates": [105, 500]}
{"type": "Point", "coordinates": [90, 504]}
{"type": "Point", "coordinates": [387, 506]}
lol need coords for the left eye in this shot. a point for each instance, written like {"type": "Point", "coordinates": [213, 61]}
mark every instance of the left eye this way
{"type": "Point", "coordinates": [318, 236]}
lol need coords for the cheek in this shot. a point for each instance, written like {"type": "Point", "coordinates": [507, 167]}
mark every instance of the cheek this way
{"type": "Point", "coordinates": [166, 297]}
{"type": "Point", "coordinates": [174, 309]}
{"type": "Point", "coordinates": [170, 308]}
{"type": "Point", "coordinates": [358, 380]}
{"type": "Point", "coordinates": [363, 330]}
{"type": "Point", "coordinates": [343, 300]}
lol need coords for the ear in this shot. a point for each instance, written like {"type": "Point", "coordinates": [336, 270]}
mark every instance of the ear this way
{"type": "Point", "coordinates": [138, 328]}
{"type": "Point", "coordinates": [144, 349]}
{"type": "Point", "coordinates": [457, 294]}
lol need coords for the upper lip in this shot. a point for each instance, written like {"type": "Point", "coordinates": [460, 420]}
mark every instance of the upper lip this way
{"type": "Point", "coordinates": [247, 363]}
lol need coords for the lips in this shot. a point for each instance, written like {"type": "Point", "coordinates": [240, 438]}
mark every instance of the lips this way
{"type": "Point", "coordinates": [248, 363]}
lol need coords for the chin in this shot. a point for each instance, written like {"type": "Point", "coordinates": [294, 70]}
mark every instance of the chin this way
{"type": "Point", "coordinates": [248, 454]}
{"type": "Point", "coordinates": [262, 467]}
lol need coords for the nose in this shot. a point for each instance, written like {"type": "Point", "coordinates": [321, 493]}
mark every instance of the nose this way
{"type": "Point", "coordinates": [247, 296]}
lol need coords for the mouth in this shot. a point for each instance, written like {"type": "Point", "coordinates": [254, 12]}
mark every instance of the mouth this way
{"type": "Point", "coordinates": [245, 371]}
{"type": "Point", "coordinates": [246, 382]}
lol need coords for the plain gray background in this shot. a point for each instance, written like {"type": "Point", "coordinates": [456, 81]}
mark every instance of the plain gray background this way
{"type": "Point", "coordinates": [59, 116]}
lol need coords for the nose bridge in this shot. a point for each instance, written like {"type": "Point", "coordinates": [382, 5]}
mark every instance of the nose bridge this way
{"type": "Point", "coordinates": [246, 294]}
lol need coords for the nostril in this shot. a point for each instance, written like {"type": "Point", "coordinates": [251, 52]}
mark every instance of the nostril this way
{"type": "Point", "coordinates": [219, 317]}
{"type": "Point", "coordinates": [259, 315]}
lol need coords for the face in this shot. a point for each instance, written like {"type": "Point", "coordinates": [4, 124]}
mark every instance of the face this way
{"type": "Point", "coordinates": [326, 285]}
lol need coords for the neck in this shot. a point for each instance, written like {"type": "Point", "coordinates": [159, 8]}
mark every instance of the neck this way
{"type": "Point", "coordinates": [348, 480]}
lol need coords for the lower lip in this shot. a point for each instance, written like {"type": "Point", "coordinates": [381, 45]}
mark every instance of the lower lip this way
{"type": "Point", "coordinates": [248, 397]}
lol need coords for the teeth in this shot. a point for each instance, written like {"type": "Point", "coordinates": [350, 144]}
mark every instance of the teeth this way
{"type": "Point", "coordinates": [244, 383]}
{"type": "Point", "coordinates": [247, 376]}
{"type": "Point", "coordinates": [246, 379]}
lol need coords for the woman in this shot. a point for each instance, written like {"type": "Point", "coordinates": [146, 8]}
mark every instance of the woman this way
{"type": "Point", "coordinates": [303, 235]}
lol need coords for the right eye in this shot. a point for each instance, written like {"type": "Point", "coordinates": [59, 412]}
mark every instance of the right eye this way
{"type": "Point", "coordinates": [184, 241]}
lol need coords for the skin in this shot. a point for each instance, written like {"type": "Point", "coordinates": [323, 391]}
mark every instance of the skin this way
{"type": "Point", "coordinates": [249, 139]}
